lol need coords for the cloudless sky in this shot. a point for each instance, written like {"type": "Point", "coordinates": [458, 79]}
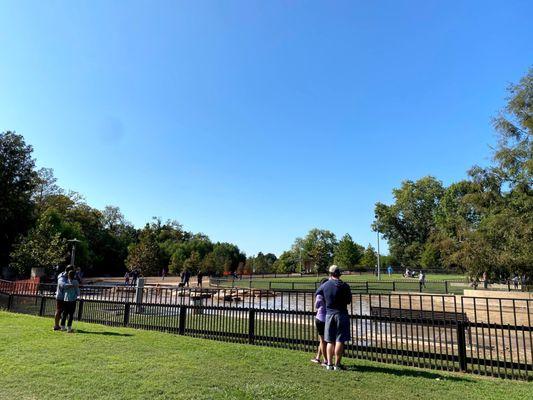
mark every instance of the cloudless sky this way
{"type": "Point", "coordinates": [255, 121]}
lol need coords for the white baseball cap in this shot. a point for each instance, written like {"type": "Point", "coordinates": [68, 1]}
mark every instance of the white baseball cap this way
{"type": "Point", "coordinates": [334, 270]}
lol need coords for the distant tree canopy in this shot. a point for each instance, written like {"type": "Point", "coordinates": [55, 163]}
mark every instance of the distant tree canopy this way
{"type": "Point", "coordinates": [37, 218]}
{"type": "Point", "coordinates": [483, 224]}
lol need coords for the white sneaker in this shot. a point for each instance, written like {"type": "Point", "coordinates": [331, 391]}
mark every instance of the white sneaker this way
{"type": "Point", "coordinates": [330, 367]}
{"type": "Point", "coordinates": [63, 328]}
{"type": "Point", "coordinates": [69, 330]}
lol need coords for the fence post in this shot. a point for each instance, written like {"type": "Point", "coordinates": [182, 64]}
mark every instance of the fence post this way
{"type": "Point", "coordinates": [80, 310]}
{"type": "Point", "coordinates": [461, 345]}
{"type": "Point", "coordinates": [366, 283]}
{"type": "Point", "coordinates": [251, 326]}
{"type": "Point", "coordinates": [41, 309]}
{"type": "Point", "coordinates": [269, 285]}
{"type": "Point", "coordinates": [446, 287]}
{"type": "Point", "coordinates": [9, 302]}
{"type": "Point", "coordinates": [183, 318]}
{"type": "Point", "coordinates": [292, 285]}
{"type": "Point", "coordinates": [126, 314]}
{"type": "Point", "coordinates": [393, 286]}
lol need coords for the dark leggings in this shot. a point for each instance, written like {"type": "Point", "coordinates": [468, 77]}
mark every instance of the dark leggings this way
{"type": "Point", "coordinates": [68, 311]}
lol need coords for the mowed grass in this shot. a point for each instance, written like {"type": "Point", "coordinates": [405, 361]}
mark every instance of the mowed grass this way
{"type": "Point", "coordinates": [368, 277]}
{"type": "Point", "coordinates": [100, 362]}
{"type": "Point", "coordinates": [434, 283]}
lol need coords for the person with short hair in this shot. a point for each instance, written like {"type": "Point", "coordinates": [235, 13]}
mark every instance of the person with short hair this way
{"type": "Point", "coordinates": [60, 294]}
{"type": "Point", "coordinates": [71, 290]}
{"type": "Point", "coordinates": [337, 295]}
{"type": "Point", "coordinates": [320, 323]}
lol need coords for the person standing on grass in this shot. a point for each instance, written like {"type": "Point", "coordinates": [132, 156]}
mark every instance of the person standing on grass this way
{"type": "Point", "coordinates": [320, 322]}
{"type": "Point", "coordinates": [71, 292]}
{"type": "Point", "coordinates": [337, 296]}
{"type": "Point", "coordinates": [389, 270]}
{"type": "Point", "coordinates": [60, 294]}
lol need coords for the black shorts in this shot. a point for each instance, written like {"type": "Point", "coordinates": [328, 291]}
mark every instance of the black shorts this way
{"type": "Point", "coordinates": [320, 327]}
{"type": "Point", "coordinates": [60, 304]}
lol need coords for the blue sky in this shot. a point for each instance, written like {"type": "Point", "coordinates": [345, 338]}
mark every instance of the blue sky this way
{"type": "Point", "coordinates": [255, 121]}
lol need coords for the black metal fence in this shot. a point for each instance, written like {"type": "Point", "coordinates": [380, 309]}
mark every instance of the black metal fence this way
{"type": "Point", "coordinates": [477, 335]}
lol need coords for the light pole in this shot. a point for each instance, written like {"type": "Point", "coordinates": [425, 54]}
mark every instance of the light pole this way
{"type": "Point", "coordinates": [73, 252]}
{"type": "Point", "coordinates": [379, 261]}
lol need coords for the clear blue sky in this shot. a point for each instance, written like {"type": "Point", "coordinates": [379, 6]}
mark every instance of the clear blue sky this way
{"type": "Point", "coordinates": [254, 121]}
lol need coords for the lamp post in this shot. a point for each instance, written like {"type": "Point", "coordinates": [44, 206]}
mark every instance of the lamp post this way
{"type": "Point", "coordinates": [73, 251]}
{"type": "Point", "coordinates": [379, 261]}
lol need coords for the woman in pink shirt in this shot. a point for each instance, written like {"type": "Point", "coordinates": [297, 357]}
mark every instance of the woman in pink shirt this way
{"type": "Point", "coordinates": [320, 321]}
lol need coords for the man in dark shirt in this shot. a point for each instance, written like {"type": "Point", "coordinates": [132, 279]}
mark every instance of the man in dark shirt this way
{"type": "Point", "coordinates": [337, 296]}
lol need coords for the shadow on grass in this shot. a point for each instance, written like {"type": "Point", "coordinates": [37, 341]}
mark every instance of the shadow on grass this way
{"type": "Point", "coordinates": [102, 333]}
{"type": "Point", "coordinates": [415, 373]}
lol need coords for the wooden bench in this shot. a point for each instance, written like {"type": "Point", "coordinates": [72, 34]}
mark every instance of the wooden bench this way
{"type": "Point", "coordinates": [421, 317]}
{"type": "Point", "coordinates": [448, 316]}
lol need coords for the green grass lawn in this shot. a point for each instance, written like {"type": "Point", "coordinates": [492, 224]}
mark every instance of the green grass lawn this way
{"type": "Point", "coordinates": [100, 362]}
{"type": "Point", "coordinates": [434, 284]}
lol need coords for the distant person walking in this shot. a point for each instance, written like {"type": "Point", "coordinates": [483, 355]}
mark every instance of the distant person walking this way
{"type": "Point", "coordinates": [134, 276]}
{"type": "Point", "coordinates": [516, 281]}
{"type": "Point", "coordinates": [163, 274]}
{"type": "Point", "coordinates": [185, 276]}
{"type": "Point", "coordinates": [337, 295]}
{"type": "Point", "coordinates": [127, 278]}
{"type": "Point", "coordinates": [485, 280]}
{"type": "Point", "coordinates": [389, 270]}
{"type": "Point", "coordinates": [60, 295]}
{"type": "Point", "coordinates": [422, 280]}
{"type": "Point", "coordinates": [199, 278]}
{"type": "Point", "coordinates": [72, 291]}
{"type": "Point", "coordinates": [320, 323]}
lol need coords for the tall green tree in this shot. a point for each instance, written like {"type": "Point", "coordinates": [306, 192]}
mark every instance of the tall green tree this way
{"type": "Point", "coordinates": [288, 262]}
{"type": "Point", "coordinates": [18, 180]}
{"type": "Point", "coordinates": [146, 254]}
{"type": "Point", "coordinates": [369, 258]}
{"type": "Point", "coordinates": [43, 246]}
{"type": "Point", "coordinates": [347, 253]}
{"type": "Point", "coordinates": [408, 223]}
{"type": "Point", "coordinates": [316, 249]}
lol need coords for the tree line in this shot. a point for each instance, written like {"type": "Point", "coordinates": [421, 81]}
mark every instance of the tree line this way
{"type": "Point", "coordinates": [483, 224]}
